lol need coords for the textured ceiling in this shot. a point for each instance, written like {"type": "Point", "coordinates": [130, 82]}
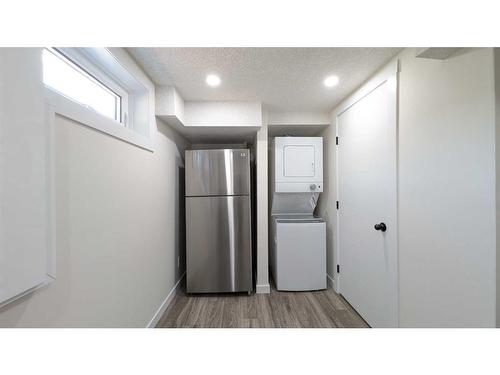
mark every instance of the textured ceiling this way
{"type": "Point", "coordinates": [284, 79]}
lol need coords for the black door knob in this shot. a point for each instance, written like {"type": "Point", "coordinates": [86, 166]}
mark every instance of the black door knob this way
{"type": "Point", "coordinates": [381, 227]}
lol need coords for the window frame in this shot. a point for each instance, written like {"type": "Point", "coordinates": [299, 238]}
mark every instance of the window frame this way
{"type": "Point", "coordinates": [83, 65]}
{"type": "Point", "coordinates": [115, 69]}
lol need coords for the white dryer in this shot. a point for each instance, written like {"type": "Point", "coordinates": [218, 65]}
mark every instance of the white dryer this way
{"type": "Point", "coordinates": [298, 164]}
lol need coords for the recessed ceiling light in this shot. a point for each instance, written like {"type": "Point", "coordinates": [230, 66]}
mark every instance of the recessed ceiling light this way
{"type": "Point", "coordinates": [331, 81]}
{"type": "Point", "coordinates": [213, 80]}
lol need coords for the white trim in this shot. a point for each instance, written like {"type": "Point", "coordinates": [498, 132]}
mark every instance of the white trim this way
{"type": "Point", "coordinates": [50, 183]}
{"type": "Point", "coordinates": [104, 76]}
{"type": "Point", "coordinates": [263, 289]}
{"type": "Point", "coordinates": [336, 249]}
{"type": "Point", "coordinates": [330, 282]}
{"type": "Point", "coordinates": [390, 70]}
{"type": "Point", "coordinates": [88, 117]}
{"type": "Point", "coordinates": [77, 61]}
{"type": "Point", "coordinates": [164, 305]}
{"type": "Point", "coordinates": [48, 280]}
{"type": "Point", "coordinates": [379, 78]}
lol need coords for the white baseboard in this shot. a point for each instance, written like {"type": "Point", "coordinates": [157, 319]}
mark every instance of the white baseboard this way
{"type": "Point", "coordinates": [263, 289]}
{"type": "Point", "coordinates": [331, 282]}
{"type": "Point", "coordinates": [49, 279]}
{"type": "Point", "coordinates": [163, 307]}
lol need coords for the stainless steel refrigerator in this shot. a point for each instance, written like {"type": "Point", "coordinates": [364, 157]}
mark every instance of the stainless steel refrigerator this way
{"type": "Point", "coordinates": [218, 221]}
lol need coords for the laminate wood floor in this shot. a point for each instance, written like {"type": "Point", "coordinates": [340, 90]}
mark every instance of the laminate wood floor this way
{"type": "Point", "coordinates": [318, 309]}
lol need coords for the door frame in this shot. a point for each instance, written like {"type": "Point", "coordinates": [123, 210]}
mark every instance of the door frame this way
{"type": "Point", "coordinates": [389, 72]}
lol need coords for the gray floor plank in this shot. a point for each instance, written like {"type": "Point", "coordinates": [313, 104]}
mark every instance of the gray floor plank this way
{"type": "Point", "coordinates": [316, 309]}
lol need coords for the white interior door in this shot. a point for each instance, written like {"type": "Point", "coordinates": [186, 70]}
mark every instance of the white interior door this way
{"type": "Point", "coordinates": [367, 194]}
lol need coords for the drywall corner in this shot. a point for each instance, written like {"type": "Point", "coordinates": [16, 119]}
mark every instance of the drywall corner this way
{"type": "Point", "coordinates": [169, 105]}
{"type": "Point", "coordinates": [262, 207]}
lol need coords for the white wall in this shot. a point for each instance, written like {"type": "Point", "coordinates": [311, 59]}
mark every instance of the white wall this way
{"type": "Point", "coordinates": [298, 118]}
{"type": "Point", "coordinates": [169, 103]}
{"type": "Point", "coordinates": [117, 231]}
{"type": "Point", "coordinates": [219, 113]}
{"type": "Point", "coordinates": [497, 169]}
{"type": "Point", "coordinates": [261, 145]}
{"type": "Point", "coordinates": [209, 121]}
{"type": "Point", "coordinates": [446, 190]}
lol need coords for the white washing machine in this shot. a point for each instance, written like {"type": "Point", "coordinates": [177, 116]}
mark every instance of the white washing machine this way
{"type": "Point", "coordinates": [298, 258]}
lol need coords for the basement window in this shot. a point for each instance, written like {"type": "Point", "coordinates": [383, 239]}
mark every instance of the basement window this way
{"type": "Point", "coordinates": [100, 89]}
{"type": "Point", "coordinates": [69, 79]}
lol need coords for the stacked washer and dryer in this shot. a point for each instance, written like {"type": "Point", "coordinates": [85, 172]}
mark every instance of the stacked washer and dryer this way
{"type": "Point", "coordinates": [298, 238]}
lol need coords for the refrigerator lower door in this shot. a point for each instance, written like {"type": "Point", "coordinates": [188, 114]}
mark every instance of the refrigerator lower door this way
{"type": "Point", "coordinates": [218, 244]}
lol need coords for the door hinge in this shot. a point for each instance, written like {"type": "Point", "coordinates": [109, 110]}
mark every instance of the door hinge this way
{"type": "Point", "coordinates": [337, 141]}
{"type": "Point", "coordinates": [337, 205]}
{"type": "Point", "coordinates": [338, 268]}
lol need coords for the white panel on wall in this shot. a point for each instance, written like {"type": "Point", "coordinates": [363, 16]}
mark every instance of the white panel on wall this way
{"type": "Point", "coordinates": [24, 193]}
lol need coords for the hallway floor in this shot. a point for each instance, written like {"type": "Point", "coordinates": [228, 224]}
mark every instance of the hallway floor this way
{"type": "Point", "coordinates": [318, 309]}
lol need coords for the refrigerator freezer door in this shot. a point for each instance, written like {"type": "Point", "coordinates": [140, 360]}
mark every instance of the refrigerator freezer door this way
{"type": "Point", "coordinates": [217, 172]}
{"type": "Point", "coordinates": [219, 254]}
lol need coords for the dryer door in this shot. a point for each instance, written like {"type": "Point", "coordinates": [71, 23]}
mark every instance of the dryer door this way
{"type": "Point", "coordinates": [298, 161]}
{"type": "Point", "coordinates": [298, 164]}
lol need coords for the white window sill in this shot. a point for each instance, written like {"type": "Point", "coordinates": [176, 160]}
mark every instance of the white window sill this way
{"type": "Point", "coordinates": [86, 116]}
